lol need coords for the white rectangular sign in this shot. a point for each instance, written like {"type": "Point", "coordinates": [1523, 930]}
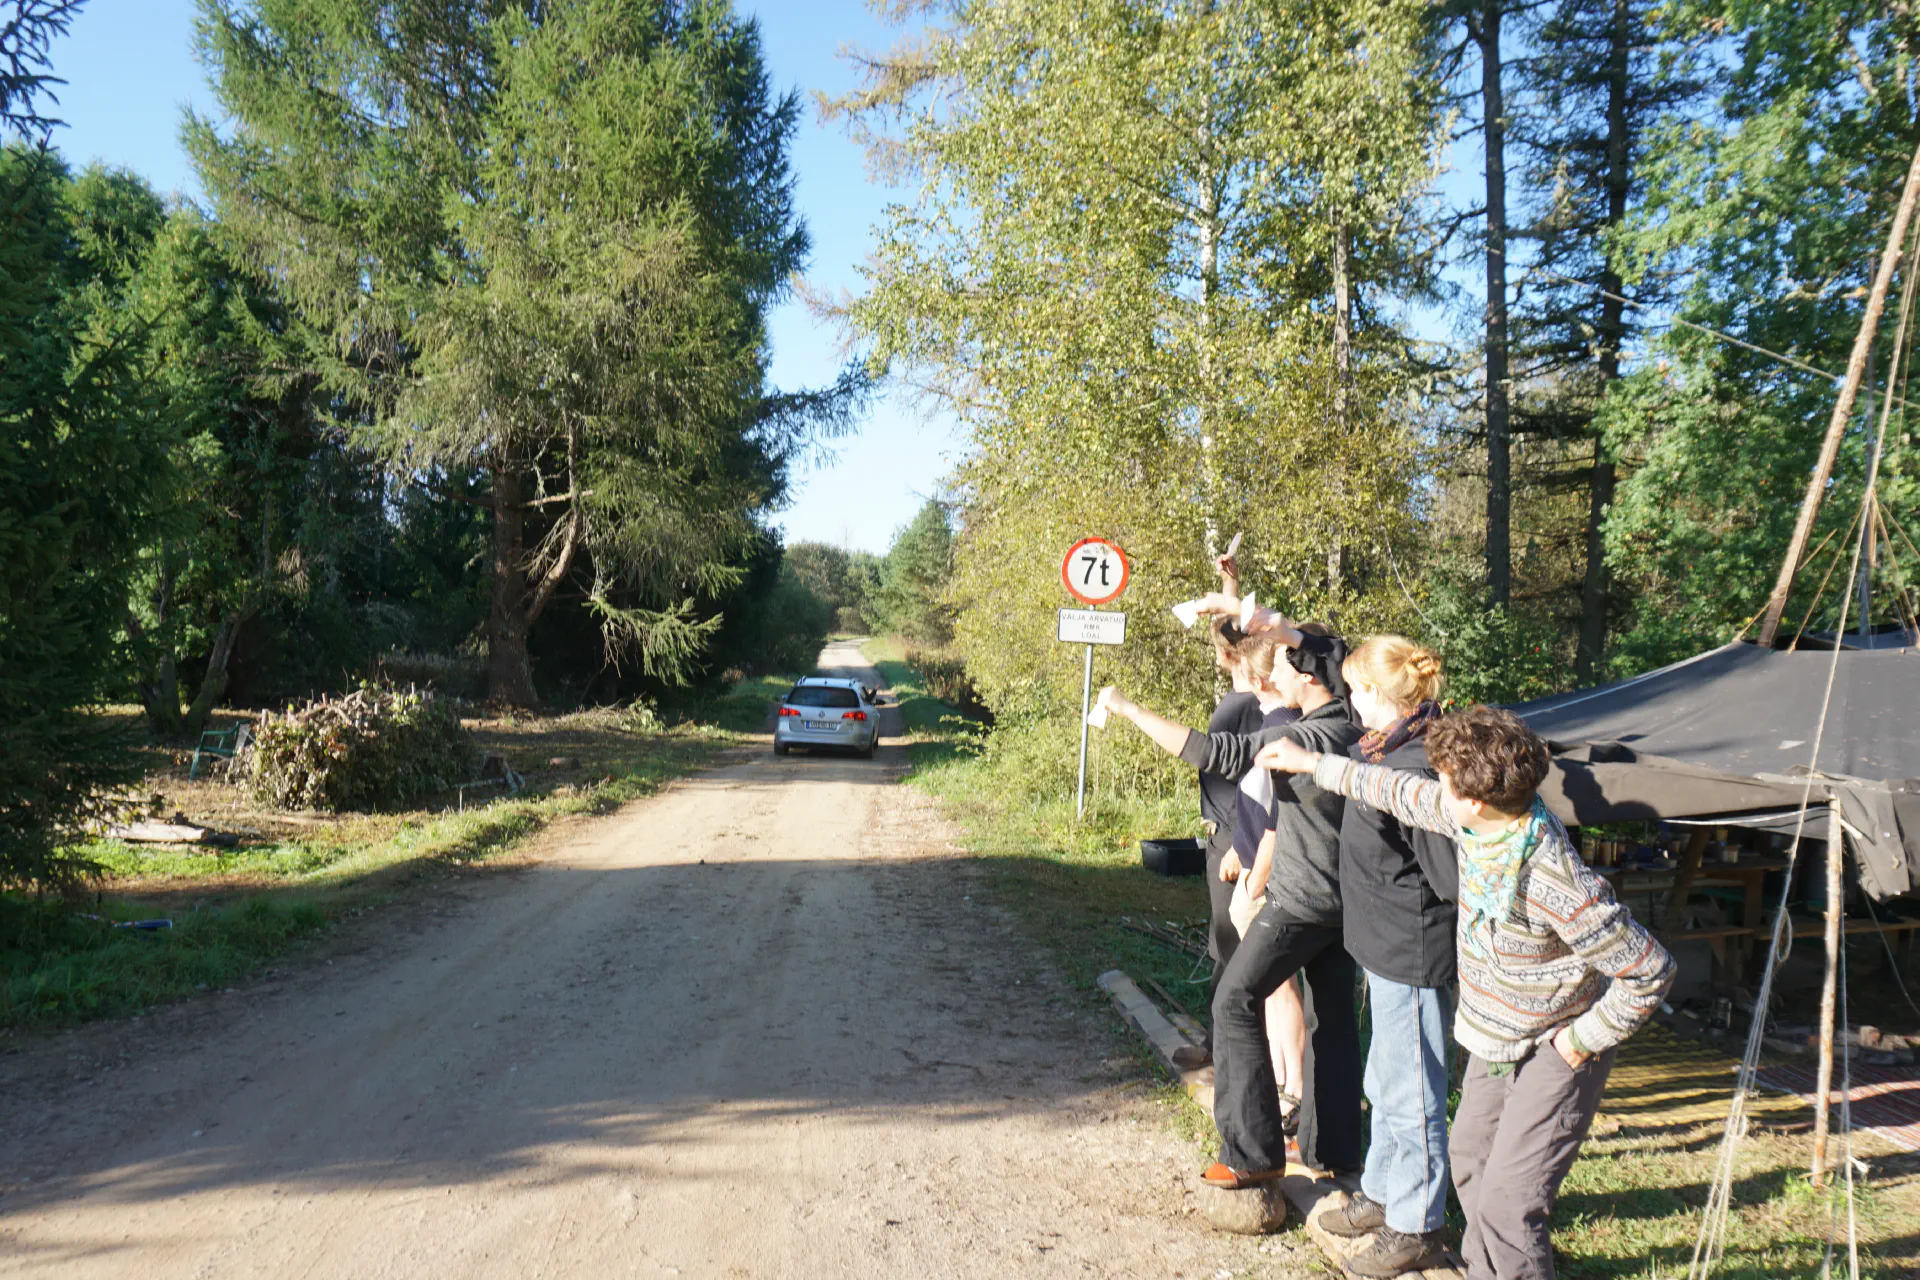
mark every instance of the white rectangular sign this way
{"type": "Point", "coordinates": [1090, 626]}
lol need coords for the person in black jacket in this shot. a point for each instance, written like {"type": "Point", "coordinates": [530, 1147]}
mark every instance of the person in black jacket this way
{"type": "Point", "coordinates": [1239, 712]}
{"type": "Point", "coordinates": [1397, 885]}
{"type": "Point", "coordinates": [1296, 931]}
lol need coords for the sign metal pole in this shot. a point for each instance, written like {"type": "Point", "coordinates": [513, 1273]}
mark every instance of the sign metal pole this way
{"type": "Point", "coordinates": [1090, 627]}
{"type": "Point", "coordinates": [1086, 706]}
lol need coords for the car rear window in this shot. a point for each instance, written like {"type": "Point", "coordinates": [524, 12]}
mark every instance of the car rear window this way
{"type": "Point", "coordinates": [822, 695]}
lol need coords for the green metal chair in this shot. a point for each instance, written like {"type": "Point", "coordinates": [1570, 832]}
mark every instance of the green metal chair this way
{"type": "Point", "coordinates": [219, 744]}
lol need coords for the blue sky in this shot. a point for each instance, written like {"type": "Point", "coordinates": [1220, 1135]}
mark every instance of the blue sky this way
{"type": "Point", "coordinates": [130, 73]}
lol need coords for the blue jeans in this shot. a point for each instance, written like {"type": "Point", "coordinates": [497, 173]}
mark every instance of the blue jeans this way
{"type": "Point", "coordinates": [1406, 1085]}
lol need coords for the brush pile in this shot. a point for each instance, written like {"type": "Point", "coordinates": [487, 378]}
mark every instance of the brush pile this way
{"type": "Point", "coordinates": [375, 748]}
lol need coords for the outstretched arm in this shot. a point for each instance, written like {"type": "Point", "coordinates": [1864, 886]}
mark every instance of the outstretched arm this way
{"type": "Point", "coordinates": [1413, 798]}
{"type": "Point", "coordinates": [1169, 735]}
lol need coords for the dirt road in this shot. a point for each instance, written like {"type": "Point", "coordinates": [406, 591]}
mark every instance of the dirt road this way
{"type": "Point", "coordinates": [765, 1024]}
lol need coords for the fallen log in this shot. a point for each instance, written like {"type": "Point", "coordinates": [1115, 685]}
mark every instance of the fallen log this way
{"type": "Point", "coordinates": [171, 833]}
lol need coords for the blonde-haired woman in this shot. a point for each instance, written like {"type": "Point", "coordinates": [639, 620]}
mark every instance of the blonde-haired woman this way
{"type": "Point", "coordinates": [1398, 885]}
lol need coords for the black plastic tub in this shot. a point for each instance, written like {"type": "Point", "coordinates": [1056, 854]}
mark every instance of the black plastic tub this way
{"type": "Point", "coordinates": [1180, 857]}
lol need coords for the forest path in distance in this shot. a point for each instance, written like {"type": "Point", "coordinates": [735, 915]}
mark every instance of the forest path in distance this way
{"type": "Point", "coordinates": [767, 1023]}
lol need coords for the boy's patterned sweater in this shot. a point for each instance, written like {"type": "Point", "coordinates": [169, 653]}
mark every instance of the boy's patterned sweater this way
{"type": "Point", "coordinates": [1566, 953]}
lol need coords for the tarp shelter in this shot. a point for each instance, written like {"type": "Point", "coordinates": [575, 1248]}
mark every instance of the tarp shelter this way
{"type": "Point", "coordinates": [1727, 736]}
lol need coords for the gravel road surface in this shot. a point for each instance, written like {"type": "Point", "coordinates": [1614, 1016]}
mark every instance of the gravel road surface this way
{"type": "Point", "coordinates": [765, 1024]}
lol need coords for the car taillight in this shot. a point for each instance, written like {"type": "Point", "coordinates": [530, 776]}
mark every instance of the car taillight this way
{"type": "Point", "coordinates": [788, 711]}
{"type": "Point", "coordinates": [854, 715]}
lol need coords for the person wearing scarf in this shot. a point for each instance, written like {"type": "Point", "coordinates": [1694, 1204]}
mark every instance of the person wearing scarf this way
{"type": "Point", "coordinates": [1554, 972]}
{"type": "Point", "coordinates": [1396, 883]}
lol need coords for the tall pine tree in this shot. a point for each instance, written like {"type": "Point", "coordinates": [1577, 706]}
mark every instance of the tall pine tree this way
{"type": "Point", "coordinates": [541, 239]}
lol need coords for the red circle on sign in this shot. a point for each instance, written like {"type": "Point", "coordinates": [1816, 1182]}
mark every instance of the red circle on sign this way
{"type": "Point", "coordinates": [1066, 571]}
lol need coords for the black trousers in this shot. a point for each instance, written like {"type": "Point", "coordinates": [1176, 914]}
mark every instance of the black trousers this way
{"type": "Point", "coordinates": [1222, 937]}
{"type": "Point", "coordinates": [1246, 1098]}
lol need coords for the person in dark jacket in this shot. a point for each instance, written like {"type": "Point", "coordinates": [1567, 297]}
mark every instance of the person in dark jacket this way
{"type": "Point", "coordinates": [1253, 821]}
{"type": "Point", "coordinates": [1296, 931]}
{"type": "Point", "coordinates": [1239, 712]}
{"type": "Point", "coordinates": [1397, 885]}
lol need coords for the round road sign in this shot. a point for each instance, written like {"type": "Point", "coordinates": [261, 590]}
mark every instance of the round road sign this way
{"type": "Point", "coordinates": [1095, 571]}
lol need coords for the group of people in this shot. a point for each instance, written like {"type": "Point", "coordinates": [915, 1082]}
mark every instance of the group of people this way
{"type": "Point", "coordinates": [1355, 829]}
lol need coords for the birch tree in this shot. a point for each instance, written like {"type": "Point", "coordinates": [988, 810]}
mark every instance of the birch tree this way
{"type": "Point", "coordinates": [1149, 263]}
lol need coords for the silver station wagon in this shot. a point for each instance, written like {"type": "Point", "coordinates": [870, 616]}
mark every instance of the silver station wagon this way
{"type": "Point", "coordinates": [823, 712]}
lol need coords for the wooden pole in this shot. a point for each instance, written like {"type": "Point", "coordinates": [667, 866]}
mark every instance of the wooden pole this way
{"type": "Point", "coordinates": [1823, 1086]}
{"type": "Point", "coordinates": [1843, 407]}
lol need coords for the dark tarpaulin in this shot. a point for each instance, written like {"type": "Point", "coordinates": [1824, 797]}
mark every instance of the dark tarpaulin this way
{"type": "Point", "coordinates": [1721, 733]}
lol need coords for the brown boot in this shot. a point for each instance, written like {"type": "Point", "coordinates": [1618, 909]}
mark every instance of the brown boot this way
{"type": "Point", "coordinates": [1396, 1253]}
{"type": "Point", "coordinates": [1358, 1217]}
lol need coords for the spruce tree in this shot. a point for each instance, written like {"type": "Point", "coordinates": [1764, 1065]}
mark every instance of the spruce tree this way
{"type": "Point", "coordinates": [74, 466]}
{"type": "Point", "coordinates": [1597, 80]}
{"type": "Point", "coordinates": [540, 239]}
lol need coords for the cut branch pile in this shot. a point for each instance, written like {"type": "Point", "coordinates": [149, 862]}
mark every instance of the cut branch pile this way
{"type": "Point", "coordinates": [376, 747]}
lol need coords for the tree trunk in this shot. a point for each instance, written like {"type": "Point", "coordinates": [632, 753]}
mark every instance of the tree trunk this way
{"type": "Point", "coordinates": [160, 698]}
{"type": "Point", "coordinates": [1596, 590]}
{"type": "Point", "coordinates": [213, 685]}
{"type": "Point", "coordinates": [159, 688]}
{"type": "Point", "coordinates": [1342, 382]}
{"type": "Point", "coordinates": [1208, 229]}
{"type": "Point", "coordinates": [1499, 438]}
{"type": "Point", "coordinates": [509, 673]}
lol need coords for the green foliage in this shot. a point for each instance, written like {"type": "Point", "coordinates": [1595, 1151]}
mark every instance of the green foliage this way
{"type": "Point", "coordinates": [1765, 215]}
{"type": "Point", "coordinates": [238, 449]}
{"type": "Point", "coordinates": [541, 241]}
{"type": "Point", "coordinates": [1119, 272]}
{"type": "Point", "coordinates": [914, 596]}
{"type": "Point", "coordinates": [73, 469]}
{"type": "Point", "coordinates": [784, 629]}
{"type": "Point", "coordinates": [846, 580]}
{"type": "Point", "coordinates": [945, 676]}
{"type": "Point", "coordinates": [1495, 655]}
{"type": "Point", "coordinates": [25, 70]}
{"type": "Point", "coordinates": [375, 748]}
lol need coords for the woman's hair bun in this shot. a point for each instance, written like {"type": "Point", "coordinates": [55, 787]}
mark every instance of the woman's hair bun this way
{"type": "Point", "coordinates": [1405, 673]}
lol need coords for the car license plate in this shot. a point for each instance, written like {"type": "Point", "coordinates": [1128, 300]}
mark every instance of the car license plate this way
{"type": "Point", "coordinates": [831, 725]}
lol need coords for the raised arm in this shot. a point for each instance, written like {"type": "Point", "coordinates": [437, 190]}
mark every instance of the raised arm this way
{"type": "Point", "coordinates": [1229, 575]}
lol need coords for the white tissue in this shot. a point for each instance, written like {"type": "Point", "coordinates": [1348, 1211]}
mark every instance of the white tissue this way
{"type": "Point", "coordinates": [1235, 544]}
{"type": "Point", "coordinates": [1097, 717]}
{"type": "Point", "coordinates": [1248, 608]}
{"type": "Point", "coordinates": [1188, 611]}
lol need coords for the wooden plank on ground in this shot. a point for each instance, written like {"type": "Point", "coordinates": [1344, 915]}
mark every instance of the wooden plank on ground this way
{"type": "Point", "coordinates": [1307, 1195]}
{"type": "Point", "coordinates": [1310, 1196]}
{"type": "Point", "coordinates": [170, 833]}
{"type": "Point", "coordinates": [1144, 1014]}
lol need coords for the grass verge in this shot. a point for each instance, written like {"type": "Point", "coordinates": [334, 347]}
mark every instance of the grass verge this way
{"type": "Point", "coordinates": [1632, 1205]}
{"type": "Point", "coordinates": [233, 911]}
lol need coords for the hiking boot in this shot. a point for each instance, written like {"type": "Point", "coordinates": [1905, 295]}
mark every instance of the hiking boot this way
{"type": "Point", "coordinates": [1396, 1253]}
{"type": "Point", "coordinates": [1359, 1216]}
